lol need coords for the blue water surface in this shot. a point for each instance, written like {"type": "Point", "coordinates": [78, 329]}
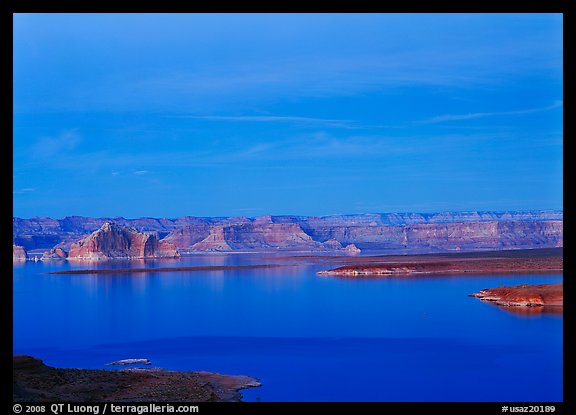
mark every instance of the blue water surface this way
{"type": "Point", "coordinates": [306, 337]}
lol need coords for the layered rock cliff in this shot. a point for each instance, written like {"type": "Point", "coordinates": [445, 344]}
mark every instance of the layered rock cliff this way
{"type": "Point", "coordinates": [419, 232]}
{"type": "Point", "coordinates": [214, 241]}
{"type": "Point", "coordinates": [446, 236]}
{"type": "Point", "coordinates": [259, 235]}
{"type": "Point", "coordinates": [114, 241]}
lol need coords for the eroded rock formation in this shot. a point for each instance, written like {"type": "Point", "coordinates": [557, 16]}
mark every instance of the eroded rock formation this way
{"type": "Point", "coordinates": [524, 295]}
{"type": "Point", "coordinates": [19, 253]}
{"type": "Point", "coordinates": [54, 253]}
{"type": "Point", "coordinates": [412, 232]}
{"type": "Point", "coordinates": [352, 249]}
{"type": "Point", "coordinates": [115, 241]}
{"type": "Point", "coordinates": [214, 241]}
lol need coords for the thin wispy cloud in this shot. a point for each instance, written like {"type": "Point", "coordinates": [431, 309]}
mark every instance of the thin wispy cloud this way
{"type": "Point", "coordinates": [24, 191]}
{"type": "Point", "coordinates": [316, 146]}
{"type": "Point", "coordinates": [270, 119]}
{"type": "Point", "coordinates": [50, 146]}
{"type": "Point", "coordinates": [251, 209]}
{"type": "Point", "coordinates": [470, 116]}
{"type": "Point", "coordinates": [360, 73]}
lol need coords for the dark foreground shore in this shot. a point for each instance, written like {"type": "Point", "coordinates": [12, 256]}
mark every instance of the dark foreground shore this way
{"type": "Point", "coordinates": [33, 381]}
{"type": "Point", "coordinates": [542, 261]}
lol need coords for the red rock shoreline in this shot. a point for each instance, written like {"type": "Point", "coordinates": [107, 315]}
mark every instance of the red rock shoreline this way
{"type": "Point", "coordinates": [443, 265]}
{"type": "Point", "coordinates": [524, 295]}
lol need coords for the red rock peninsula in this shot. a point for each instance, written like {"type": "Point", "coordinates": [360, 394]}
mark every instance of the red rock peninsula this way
{"type": "Point", "coordinates": [115, 241]}
{"type": "Point", "coordinates": [462, 263]}
{"type": "Point", "coordinates": [527, 295]}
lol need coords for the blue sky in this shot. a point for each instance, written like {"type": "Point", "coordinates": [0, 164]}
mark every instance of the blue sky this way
{"type": "Point", "coordinates": [167, 115]}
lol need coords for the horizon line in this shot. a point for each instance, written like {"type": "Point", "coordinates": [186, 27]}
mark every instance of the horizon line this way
{"type": "Point", "coordinates": [305, 216]}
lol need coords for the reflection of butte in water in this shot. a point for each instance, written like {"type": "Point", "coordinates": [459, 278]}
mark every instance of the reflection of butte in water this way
{"type": "Point", "coordinates": [166, 269]}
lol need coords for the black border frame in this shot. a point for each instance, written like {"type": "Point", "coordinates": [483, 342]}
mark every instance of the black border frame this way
{"type": "Point", "coordinates": [9, 7]}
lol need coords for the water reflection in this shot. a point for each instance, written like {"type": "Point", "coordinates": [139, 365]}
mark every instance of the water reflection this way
{"type": "Point", "coordinates": [524, 311]}
{"type": "Point", "coordinates": [393, 327]}
{"type": "Point", "coordinates": [534, 311]}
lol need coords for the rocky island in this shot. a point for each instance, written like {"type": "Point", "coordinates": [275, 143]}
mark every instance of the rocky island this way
{"type": "Point", "coordinates": [524, 295]}
{"type": "Point", "coordinates": [536, 260]}
{"type": "Point", "coordinates": [33, 381]}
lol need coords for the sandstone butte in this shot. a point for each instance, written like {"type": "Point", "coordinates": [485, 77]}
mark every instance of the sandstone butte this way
{"type": "Point", "coordinates": [19, 253]}
{"type": "Point", "coordinates": [115, 241]}
{"type": "Point", "coordinates": [527, 295]}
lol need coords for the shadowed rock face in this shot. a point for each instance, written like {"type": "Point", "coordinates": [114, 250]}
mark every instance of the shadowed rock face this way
{"type": "Point", "coordinates": [33, 381]}
{"type": "Point", "coordinates": [19, 253]}
{"type": "Point", "coordinates": [437, 232]}
{"type": "Point", "coordinates": [214, 241]}
{"type": "Point", "coordinates": [260, 235]}
{"type": "Point", "coordinates": [189, 235]}
{"type": "Point", "coordinates": [114, 241]}
{"type": "Point", "coordinates": [274, 235]}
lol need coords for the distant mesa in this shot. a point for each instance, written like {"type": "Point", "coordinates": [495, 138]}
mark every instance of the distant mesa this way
{"type": "Point", "coordinates": [259, 235]}
{"type": "Point", "coordinates": [115, 241]}
{"type": "Point", "coordinates": [332, 244]}
{"type": "Point", "coordinates": [19, 254]}
{"type": "Point", "coordinates": [406, 232]}
{"type": "Point", "coordinates": [352, 249]}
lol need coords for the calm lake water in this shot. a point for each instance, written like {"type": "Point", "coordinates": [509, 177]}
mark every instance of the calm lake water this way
{"type": "Point", "coordinates": [307, 338]}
